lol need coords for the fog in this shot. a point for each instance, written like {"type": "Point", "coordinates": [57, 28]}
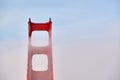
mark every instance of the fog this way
{"type": "Point", "coordinates": [85, 38]}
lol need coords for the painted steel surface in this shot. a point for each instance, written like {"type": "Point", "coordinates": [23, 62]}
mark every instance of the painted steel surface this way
{"type": "Point", "coordinates": [47, 50]}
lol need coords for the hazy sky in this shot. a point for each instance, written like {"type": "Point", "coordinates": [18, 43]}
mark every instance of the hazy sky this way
{"type": "Point", "coordinates": [86, 37]}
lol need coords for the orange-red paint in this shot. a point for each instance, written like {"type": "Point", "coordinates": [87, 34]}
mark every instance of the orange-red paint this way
{"type": "Point", "coordinates": [47, 50]}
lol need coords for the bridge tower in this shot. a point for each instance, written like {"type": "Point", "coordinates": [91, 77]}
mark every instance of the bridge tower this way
{"type": "Point", "coordinates": [45, 74]}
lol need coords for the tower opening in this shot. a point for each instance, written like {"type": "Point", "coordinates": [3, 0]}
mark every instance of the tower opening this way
{"type": "Point", "coordinates": [39, 62]}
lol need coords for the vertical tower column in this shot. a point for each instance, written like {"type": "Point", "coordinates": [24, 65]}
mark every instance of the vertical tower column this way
{"type": "Point", "coordinates": [46, 74]}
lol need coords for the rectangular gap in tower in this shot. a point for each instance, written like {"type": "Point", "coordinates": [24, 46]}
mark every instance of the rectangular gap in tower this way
{"type": "Point", "coordinates": [39, 62]}
{"type": "Point", "coordinates": [40, 38]}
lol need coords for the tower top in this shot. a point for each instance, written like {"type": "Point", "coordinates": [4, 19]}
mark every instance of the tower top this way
{"type": "Point", "coordinates": [31, 21]}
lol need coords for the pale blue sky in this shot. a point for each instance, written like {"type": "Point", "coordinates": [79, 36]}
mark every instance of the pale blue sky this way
{"type": "Point", "coordinates": [84, 15]}
{"type": "Point", "coordinates": [86, 37]}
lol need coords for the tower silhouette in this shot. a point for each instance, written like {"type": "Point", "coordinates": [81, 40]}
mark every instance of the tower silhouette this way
{"type": "Point", "coordinates": [46, 74]}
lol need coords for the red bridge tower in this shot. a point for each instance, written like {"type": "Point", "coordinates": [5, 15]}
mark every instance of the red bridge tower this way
{"type": "Point", "coordinates": [46, 74]}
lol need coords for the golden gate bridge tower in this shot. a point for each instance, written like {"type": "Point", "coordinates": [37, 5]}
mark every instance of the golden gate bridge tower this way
{"type": "Point", "coordinates": [45, 74]}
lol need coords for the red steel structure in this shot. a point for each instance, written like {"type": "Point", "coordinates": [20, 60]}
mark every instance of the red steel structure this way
{"type": "Point", "coordinates": [47, 50]}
